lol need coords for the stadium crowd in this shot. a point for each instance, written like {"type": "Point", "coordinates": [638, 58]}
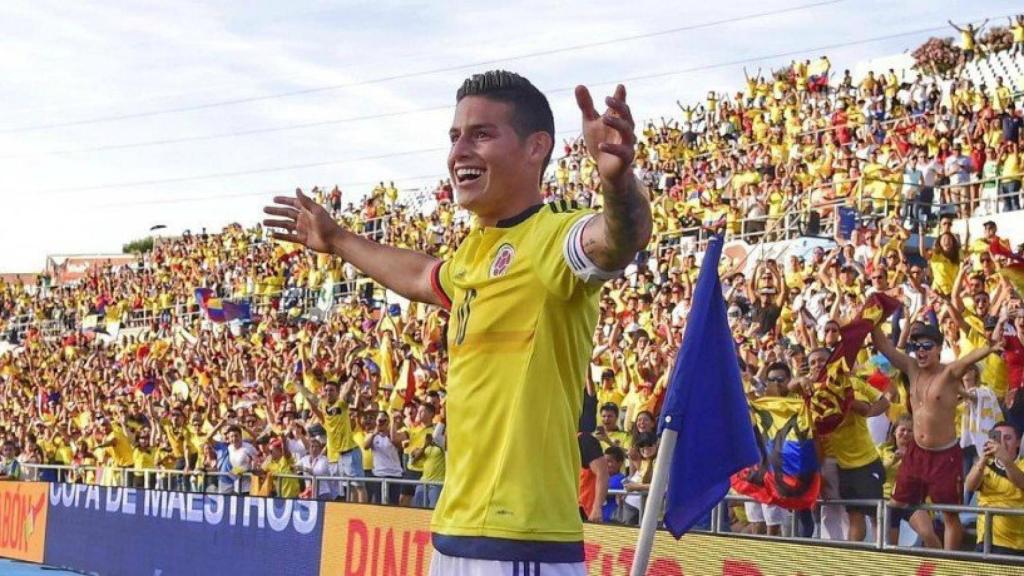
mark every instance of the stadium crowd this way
{"type": "Point", "coordinates": [359, 392]}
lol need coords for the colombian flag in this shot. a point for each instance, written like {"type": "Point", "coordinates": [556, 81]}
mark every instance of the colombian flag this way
{"type": "Point", "coordinates": [146, 385]}
{"type": "Point", "coordinates": [215, 310]}
{"type": "Point", "coordinates": [221, 309]}
{"type": "Point", "coordinates": [788, 472]}
{"type": "Point", "coordinates": [203, 296]}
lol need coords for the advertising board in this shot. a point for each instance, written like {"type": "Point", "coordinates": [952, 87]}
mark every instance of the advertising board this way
{"type": "Point", "coordinates": [361, 540]}
{"type": "Point", "coordinates": [110, 530]}
{"type": "Point", "coordinates": [23, 512]}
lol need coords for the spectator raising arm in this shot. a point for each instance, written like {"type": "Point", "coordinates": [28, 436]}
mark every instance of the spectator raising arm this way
{"type": "Point", "coordinates": [900, 360]}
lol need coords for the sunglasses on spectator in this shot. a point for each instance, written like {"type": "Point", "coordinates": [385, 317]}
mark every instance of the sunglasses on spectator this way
{"type": "Point", "coordinates": [923, 346]}
{"type": "Point", "coordinates": [776, 379]}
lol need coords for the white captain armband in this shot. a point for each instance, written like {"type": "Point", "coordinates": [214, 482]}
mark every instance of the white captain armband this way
{"type": "Point", "coordinates": [581, 264]}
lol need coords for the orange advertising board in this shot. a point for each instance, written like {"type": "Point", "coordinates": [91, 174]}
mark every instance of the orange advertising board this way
{"type": "Point", "coordinates": [362, 540]}
{"type": "Point", "coordinates": [23, 507]}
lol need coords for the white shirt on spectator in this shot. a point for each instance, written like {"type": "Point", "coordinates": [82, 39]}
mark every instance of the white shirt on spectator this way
{"type": "Point", "coordinates": [386, 461]}
{"type": "Point", "coordinates": [296, 448]}
{"type": "Point", "coordinates": [318, 466]}
{"type": "Point", "coordinates": [913, 299]}
{"type": "Point", "coordinates": [242, 459]}
{"type": "Point", "coordinates": [912, 179]}
{"type": "Point", "coordinates": [929, 171]}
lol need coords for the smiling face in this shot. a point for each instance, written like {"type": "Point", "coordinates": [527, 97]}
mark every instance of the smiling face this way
{"type": "Point", "coordinates": [495, 170]}
{"type": "Point", "coordinates": [903, 434]}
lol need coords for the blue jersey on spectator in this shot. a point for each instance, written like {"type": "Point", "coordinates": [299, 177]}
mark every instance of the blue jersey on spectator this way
{"type": "Point", "coordinates": [610, 503]}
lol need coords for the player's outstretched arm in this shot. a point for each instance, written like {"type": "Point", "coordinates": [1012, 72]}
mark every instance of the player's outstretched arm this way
{"type": "Point", "coordinates": [305, 222]}
{"type": "Point", "coordinates": [612, 239]}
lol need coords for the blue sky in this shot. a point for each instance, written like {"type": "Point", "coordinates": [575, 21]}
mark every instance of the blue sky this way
{"type": "Point", "coordinates": [69, 67]}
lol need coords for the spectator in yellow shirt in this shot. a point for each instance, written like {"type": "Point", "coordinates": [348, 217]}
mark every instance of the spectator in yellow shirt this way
{"type": "Point", "coordinates": [999, 479]}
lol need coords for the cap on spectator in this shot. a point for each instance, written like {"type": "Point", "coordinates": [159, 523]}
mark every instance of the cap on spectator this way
{"type": "Point", "coordinates": [989, 224]}
{"type": "Point", "coordinates": [923, 331]}
{"type": "Point", "coordinates": [608, 373]}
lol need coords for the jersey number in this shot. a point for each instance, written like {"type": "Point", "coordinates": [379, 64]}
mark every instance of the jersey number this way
{"type": "Point", "coordinates": [462, 316]}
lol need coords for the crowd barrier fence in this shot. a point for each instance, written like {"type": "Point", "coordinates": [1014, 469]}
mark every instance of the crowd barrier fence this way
{"type": "Point", "coordinates": [195, 482]}
{"type": "Point", "coordinates": [122, 530]}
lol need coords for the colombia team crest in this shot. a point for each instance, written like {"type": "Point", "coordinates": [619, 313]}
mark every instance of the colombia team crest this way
{"type": "Point", "coordinates": [502, 260]}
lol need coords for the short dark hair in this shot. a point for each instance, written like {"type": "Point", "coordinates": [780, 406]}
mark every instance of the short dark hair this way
{"type": "Point", "coordinates": [1007, 424]}
{"type": "Point", "coordinates": [530, 109]}
{"type": "Point", "coordinates": [780, 366]}
{"type": "Point", "coordinates": [822, 350]}
{"type": "Point", "coordinates": [617, 453]}
{"type": "Point", "coordinates": [610, 406]}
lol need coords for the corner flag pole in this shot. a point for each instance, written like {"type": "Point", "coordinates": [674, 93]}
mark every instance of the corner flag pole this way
{"type": "Point", "coordinates": [655, 500]}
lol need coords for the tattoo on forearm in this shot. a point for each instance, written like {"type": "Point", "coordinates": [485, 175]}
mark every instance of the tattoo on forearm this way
{"type": "Point", "coordinates": [627, 223]}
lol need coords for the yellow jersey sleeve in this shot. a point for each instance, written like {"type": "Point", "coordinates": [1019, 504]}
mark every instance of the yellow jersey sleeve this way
{"type": "Point", "coordinates": [562, 265]}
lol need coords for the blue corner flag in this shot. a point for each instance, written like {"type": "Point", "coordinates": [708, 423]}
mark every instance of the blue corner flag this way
{"type": "Point", "coordinates": [706, 405]}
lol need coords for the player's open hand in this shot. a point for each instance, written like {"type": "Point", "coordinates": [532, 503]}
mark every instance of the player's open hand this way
{"type": "Point", "coordinates": [303, 221]}
{"type": "Point", "coordinates": [609, 136]}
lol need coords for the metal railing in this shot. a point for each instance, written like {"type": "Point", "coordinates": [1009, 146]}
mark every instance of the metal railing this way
{"type": "Point", "coordinates": [197, 480]}
{"type": "Point", "coordinates": [789, 225]}
{"type": "Point", "coordinates": [228, 483]}
{"type": "Point", "coordinates": [881, 523]}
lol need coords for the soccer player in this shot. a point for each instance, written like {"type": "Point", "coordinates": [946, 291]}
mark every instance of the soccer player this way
{"type": "Point", "coordinates": [523, 294]}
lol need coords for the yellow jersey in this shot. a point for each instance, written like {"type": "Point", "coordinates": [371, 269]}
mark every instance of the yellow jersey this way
{"type": "Point", "coordinates": [433, 463]}
{"type": "Point", "coordinates": [120, 446]}
{"type": "Point", "coordinates": [283, 487]}
{"type": "Point", "coordinates": [339, 430]}
{"type": "Point", "coordinates": [359, 437]}
{"type": "Point", "coordinates": [417, 440]}
{"type": "Point", "coordinates": [997, 491]}
{"type": "Point", "coordinates": [520, 339]}
{"type": "Point", "coordinates": [178, 438]}
{"type": "Point", "coordinates": [144, 459]}
{"type": "Point", "coordinates": [850, 443]}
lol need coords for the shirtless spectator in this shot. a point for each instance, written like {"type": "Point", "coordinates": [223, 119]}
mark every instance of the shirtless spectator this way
{"type": "Point", "coordinates": [933, 464]}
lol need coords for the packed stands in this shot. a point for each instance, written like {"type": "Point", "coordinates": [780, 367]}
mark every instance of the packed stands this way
{"type": "Point", "coordinates": [194, 357]}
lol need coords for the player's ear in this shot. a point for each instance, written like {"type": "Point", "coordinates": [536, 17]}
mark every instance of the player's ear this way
{"type": "Point", "coordinates": [539, 145]}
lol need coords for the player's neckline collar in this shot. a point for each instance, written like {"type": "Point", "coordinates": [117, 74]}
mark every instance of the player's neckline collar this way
{"type": "Point", "coordinates": [518, 218]}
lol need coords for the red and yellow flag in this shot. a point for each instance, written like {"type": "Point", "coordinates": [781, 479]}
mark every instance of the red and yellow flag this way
{"type": "Point", "coordinates": [833, 392]}
{"type": "Point", "coordinates": [1014, 271]}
